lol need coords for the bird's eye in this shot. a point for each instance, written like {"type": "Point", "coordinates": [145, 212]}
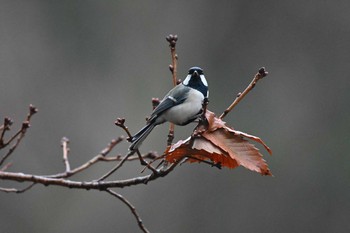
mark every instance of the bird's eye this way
{"type": "Point", "coordinates": [198, 69]}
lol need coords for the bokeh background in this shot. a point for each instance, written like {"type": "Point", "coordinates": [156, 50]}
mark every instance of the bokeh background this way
{"type": "Point", "coordinates": [85, 63]}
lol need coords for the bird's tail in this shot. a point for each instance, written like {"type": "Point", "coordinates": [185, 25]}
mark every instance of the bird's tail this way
{"type": "Point", "coordinates": [138, 138]}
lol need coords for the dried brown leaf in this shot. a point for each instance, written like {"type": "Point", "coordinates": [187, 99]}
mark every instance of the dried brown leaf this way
{"type": "Point", "coordinates": [198, 150]}
{"type": "Point", "coordinates": [222, 145]}
{"type": "Point", "coordinates": [239, 149]}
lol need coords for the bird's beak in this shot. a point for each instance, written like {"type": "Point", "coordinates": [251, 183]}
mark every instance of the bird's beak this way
{"type": "Point", "coordinates": [195, 73]}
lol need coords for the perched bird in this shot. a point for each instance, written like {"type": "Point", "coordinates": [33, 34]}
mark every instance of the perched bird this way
{"type": "Point", "coordinates": [182, 105]}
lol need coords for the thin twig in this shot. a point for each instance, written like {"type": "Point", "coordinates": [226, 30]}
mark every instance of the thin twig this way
{"type": "Point", "coordinates": [105, 176]}
{"type": "Point", "coordinates": [110, 146]}
{"type": "Point", "coordinates": [4, 168]}
{"type": "Point", "coordinates": [100, 157]}
{"type": "Point", "coordinates": [126, 157]}
{"type": "Point", "coordinates": [13, 190]}
{"type": "Point", "coordinates": [121, 123]}
{"type": "Point", "coordinates": [64, 144]}
{"type": "Point", "coordinates": [261, 73]}
{"type": "Point", "coordinates": [172, 39]}
{"type": "Point", "coordinates": [217, 165]}
{"type": "Point", "coordinates": [19, 135]}
{"type": "Point", "coordinates": [25, 125]}
{"type": "Point", "coordinates": [97, 159]}
{"type": "Point", "coordinates": [131, 207]}
{"type": "Point", "coordinates": [13, 137]}
{"type": "Point", "coordinates": [6, 126]}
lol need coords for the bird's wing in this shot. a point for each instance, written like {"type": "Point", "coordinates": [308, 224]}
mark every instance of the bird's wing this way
{"type": "Point", "coordinates": [173, 98]}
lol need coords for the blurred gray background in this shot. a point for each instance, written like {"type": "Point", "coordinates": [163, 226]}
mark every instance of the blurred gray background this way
{"type": "Point", "coordinates": [85, 63]}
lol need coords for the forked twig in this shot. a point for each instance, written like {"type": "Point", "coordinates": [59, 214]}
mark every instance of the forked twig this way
{"type": "Point", "coordinates": [121, 123]}
{"type": "Point", "coordinates": [105, 176]}
{"type": "Point", "coordinates": [3, 128]}
{"type": "Point", "coordinates": [100, 157]}
{"type": "Point", "coordinates": [19, 135]}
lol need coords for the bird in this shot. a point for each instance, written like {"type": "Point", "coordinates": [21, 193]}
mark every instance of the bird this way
{"type": "Point", "coordinates": [180, 106]}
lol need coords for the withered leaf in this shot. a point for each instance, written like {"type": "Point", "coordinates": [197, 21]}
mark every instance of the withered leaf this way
{"type": "Point", "coordinates": [222, 145]}
{"type": "Point", "coordinates": [239, 149]}
{"type": "Point", "coordinates": [199, 149]}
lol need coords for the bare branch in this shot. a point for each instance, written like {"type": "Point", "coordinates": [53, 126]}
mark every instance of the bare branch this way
{"type": "Point", "coordinates": [99, 185]}
{"type": "Point", "coordinates": [102, 157]}
{"type": "Point", "coordinates": [121, 123]}
{"type": "Point", "coordinates": [13, 190]}
{"type": "Point", "coordinates": [105, 176]}
{"type": "Point", "coordinates": [19, 135]}
{"type": "Point", "coordinates": [172, 39]}
{"type": "Point", "coordinates": [131, 207]}
{"type": "Point", "coordinates": [6, 126]}
{"type": "Point", "coordinates": [64, 144]}
{"type": "Point", "coordinates": [261, 73]}
{"type": "Point", "coordinates": [4, 168]}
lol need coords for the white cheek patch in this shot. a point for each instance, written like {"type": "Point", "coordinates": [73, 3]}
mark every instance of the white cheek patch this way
{"type": "Point", "coordinates": [187, 80]}
{"type": "Point", "coordinates": [204, 81]}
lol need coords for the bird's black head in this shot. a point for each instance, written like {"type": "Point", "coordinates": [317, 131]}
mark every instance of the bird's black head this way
{"type": "Point", "coordinates": [195, 70]}
{"type": "Point", "coordinates": [196, 80]}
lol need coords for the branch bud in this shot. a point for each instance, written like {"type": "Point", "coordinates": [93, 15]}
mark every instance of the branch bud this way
{"type": "Point", "coordinates": [25, 125]}
{"type": "Point", "coordinates": [119, 121]}
{"type": "Point", "coordinates": [7, 122]}
{"type": "Point", "coordinates": [263, 72]}
{"type": "Point", "coordinates": [172, 40]}
{"type": "Point", "coordinates": [64, 140]}
{"type": "Point", "coordinates": [32, 109]}
{"type": "Point", "coordinates": [171, 68]}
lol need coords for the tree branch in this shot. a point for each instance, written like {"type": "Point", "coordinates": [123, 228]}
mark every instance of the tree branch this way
{"type": "Point", "coordinates": [121, 123]}
{"type": "Point", "coordinates": [261, 73]}
{"type": "Point", "coordinates": [98, 185]}
{"type": "Point", "coordinates": [172, 39]}
{"type": "Point", "coordinates": [13, 190]}
{"type": "Point", "coordinates": [19, 135]}
{"type": "Point", "coordinates": [64, 144]}
{"type": "Point", "coordinates": [131, 207]}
